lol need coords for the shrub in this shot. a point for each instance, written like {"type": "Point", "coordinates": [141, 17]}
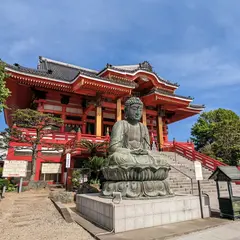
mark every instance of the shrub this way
{"type": "Point", "coordinates": [76, 178]}
{"type": "Point", "coordinates": [4, 182]}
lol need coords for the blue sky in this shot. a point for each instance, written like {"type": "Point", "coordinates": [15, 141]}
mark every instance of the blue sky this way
{"type": "Point", "coordinates": [194, 43]}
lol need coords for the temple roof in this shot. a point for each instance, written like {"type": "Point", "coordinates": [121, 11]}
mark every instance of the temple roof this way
{"type": "Point", "coordinates": [155, 90]}
{"type": "Point", "coordinates": [64, 73]}
{"type": "Point", "coordinates": [197, 106]}
{"type": "Point", "coordinates": [113, 81]}
{"type": "Point", "coordinates": [128, 67]}
{"type": "Point", "coordinates": [62, 70]}
{"type": "Point", "coordinates": [68, 72]}
{"type": "Point", "coordinates": [144, 66]}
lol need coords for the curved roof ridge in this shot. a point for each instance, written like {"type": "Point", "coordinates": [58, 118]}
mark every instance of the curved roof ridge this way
{"type": "Point", "coordinates": [66, 64]}
{"type": "Point", "coordinates": [161, 91]}
{"type": "Point", "coordinates": [109, 66]}
{"type": "Point", "coordinates": [54, 76]}
{"type": "Point", "coordinates": [127, 67]}
{"type": "Point", "coordinates": [194, 105]}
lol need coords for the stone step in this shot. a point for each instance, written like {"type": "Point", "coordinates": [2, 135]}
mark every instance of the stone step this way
{"type": "Point", "coordinates": [179, 180]}
{"type": "Point", "coordinates": [188, 172]}
{"type": "Point", "coordinates": [179, 177]}
{"type": "Point", "coordinates": [186, 180]}
{"type": "Point", "coordinates": [196, 187]}
{"type": "Point", "coordinates": [195, 191]}
{"type": "Point", "coordinates": [181, 184]}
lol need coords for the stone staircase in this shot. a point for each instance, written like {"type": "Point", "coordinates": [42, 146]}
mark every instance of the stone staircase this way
{"type": "Point", "coordinates": [182, 179]}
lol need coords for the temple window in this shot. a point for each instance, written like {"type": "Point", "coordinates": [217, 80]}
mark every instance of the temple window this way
{"type": "Point", "coordinates": [71, 128]}
{"type": "Point", "coordinates": [74, 118]}
{"type": "Point", "coordinates": [90, 128]}
{"type": "Point", "coordinates": [22, 151]}
{"type": "Point", "coordinates": [65, 99]}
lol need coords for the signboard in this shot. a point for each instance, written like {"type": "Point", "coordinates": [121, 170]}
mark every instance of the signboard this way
{"type": "Point", "coordinates": [198, 170]}
{"type": "Point", "coordinates": [68, 160]}
{"type": "Point", "coordinates": [14, 168]}
{"type": "Point", "coordinates": [51, 168]}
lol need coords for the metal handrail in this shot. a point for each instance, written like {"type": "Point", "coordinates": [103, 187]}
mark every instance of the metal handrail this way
{"type": "Point", "coordinates": [191, 179]}
{"type": "Point", "coordinates": [186, 175]}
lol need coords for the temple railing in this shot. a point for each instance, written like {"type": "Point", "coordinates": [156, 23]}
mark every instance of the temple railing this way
{"type": "Point", "coordinates": [193, 155]}
{"type": "Point", "coordinates": [187, 150]}
{"type": "Point", "coordinates": [74, 145]}
{"type": "Point", "coordinates": [49, 136]}
{"type": "Point", "coordinates": [169, 146]}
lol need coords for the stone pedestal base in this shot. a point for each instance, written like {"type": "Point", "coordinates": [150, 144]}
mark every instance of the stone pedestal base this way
{"type": "Point", "coordinates": [136, 214]}
{"type": "Point", "coordinates": [137, 189]}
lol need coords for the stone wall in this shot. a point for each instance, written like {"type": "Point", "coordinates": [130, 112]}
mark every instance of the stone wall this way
{"type": "Point", "coordinates": [136, 214]}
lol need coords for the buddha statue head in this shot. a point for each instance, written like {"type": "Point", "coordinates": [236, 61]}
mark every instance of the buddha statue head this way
{"type": "Point", "coordinates": [133, 109]}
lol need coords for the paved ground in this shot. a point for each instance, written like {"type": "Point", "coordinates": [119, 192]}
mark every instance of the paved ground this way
{"type": "Point", "coordinates": [31, 215]}
{"type": "Point", "coordinates": [227, 232]}
{"type": "Point", "coordinates": [170, 231]}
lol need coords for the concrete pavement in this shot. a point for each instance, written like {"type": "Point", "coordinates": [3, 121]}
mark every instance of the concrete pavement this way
{"type": "Point", "coordinates": [214, 228]}
{"type": "Point", "coordinates": [230, 231]}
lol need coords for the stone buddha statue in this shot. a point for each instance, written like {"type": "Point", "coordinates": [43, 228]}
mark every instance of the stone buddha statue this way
{"type": "Point", "coordinates": [130, 144]}
{"type": "Point", "coordinates": [132, 168]}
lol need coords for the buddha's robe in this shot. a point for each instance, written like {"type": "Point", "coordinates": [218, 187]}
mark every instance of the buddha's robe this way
{"type": "Point", "coordinates": [130, 145]}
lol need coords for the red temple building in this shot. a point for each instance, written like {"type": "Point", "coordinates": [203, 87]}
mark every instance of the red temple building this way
{"type": "Point", "coordinates": [90, 102]}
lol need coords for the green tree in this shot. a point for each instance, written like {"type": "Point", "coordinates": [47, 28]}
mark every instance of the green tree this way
{"type": "Point", "coordinates": [227, 143]}
{"type": "Point", "coordinates": [4, 91]}
{"type": "Point", "coordinates": [95, 164]}
{"type": "Point", "coordinates": [97, 160]}
{"type": "Point", "coordinates": [94, 148]}
{"type": "Point", "coordinates": [41, 124]}
{"type": "Point", "coordinates": [217, 134]}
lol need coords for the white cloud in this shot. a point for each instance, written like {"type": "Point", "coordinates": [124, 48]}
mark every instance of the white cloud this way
{"type": "Point", "coordinates": [78, 31]}
{"type": "Point", "coordinates": [206, 68]}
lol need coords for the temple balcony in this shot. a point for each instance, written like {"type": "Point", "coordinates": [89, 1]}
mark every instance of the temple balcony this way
{"type": "Point", "coordinates": [72, 142]}
{"type": "Point", "coordinates": [61, 137]}
{"type": "Point", "coordinates": [51, 139]}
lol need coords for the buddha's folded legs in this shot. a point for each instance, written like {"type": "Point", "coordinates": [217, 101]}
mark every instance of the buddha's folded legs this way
{"type": "Point", "coordinates": [138, 189]}
{"type": "Point", "coordinates": [157, 158]}
{"type": "Point", "coordinates": [121, 159]}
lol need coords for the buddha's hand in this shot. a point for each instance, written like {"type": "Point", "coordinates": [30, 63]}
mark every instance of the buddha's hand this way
{"type": "Point", "coordinates": [139, 152]}
{"type": "Point", "coordinates": [123, 150]}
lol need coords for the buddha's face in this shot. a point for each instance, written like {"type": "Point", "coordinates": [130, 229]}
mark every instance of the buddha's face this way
{"type": "Point", "coordinates": [135, 112]}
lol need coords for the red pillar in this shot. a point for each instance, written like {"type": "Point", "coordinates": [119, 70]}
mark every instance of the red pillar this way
{"type": "Point", "coordinates": [165, 132]}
